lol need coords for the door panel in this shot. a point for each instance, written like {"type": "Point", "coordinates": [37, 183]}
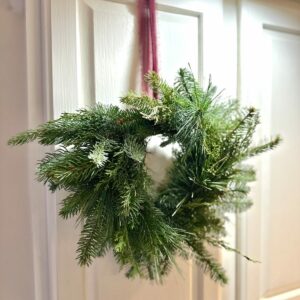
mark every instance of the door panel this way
{"type": "Point", "coordinates": [270, 75]}
{"type": "Point", "coordinates": [115, 42]}
{"type": "Point", "coordinates": [282, 240]}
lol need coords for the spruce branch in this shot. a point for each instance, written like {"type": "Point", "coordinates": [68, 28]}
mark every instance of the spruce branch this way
{"type": "Point", "coordinates": [23, 138]}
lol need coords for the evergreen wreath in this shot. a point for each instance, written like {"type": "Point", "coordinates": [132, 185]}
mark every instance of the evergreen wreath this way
{"type": "Point", "coordinates": [100, 161]}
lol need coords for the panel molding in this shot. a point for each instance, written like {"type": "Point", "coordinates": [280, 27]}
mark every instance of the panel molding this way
{"type": "Point", "coordinates": [174, 10]}
{"type": "Point", "coordinates": [164, 7]}
{"type": "Point", "coordinates": [271, 33]}
{"type": "Point", "coordinates": [39, 103]}
{"type": "Point", "coordinates": [280, 29]}
{"type": "Point", "coordinates": [282, 295]}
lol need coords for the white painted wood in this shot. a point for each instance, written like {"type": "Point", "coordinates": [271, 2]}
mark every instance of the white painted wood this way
{"type": "Point", "coordinates": [47, 88]}
{"type": "Point", "coordinates": [17, 6]}
{"type": "Point", "coordinates": [115, 50]}
{"type": "Point", "coordinates": [16, 259]}
{"type": "Point", "coordinates": [64, 56]}
{"type": "Point", "coordinates": [36, 115]}
{"type": "Point", "coordinates": [270, 69]}
{"type": "Point", "coordinates": [25, 98]}
{"type": "Point", "coordinates": [67, 96]}
{"type": "Point", "coordinates": [284, 201]}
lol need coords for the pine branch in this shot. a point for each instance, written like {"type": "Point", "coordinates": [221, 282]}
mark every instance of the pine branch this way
{"type": "Point", "coordinates": [209, 264]}
{"type": "Point", "coordinates": [272, 144]}
{"type": "Point", "coordinates": [97, 232]}
{"type": "Point", "coordinates": [159, 85]}
{"type": "Point", "coordinates": [67, 168]}
{"type": "Point", "coordinates": [185, 84]}
{"type": "Point", "coordinates": [134, 149]}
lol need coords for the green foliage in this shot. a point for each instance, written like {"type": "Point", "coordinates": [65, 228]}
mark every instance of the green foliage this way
{"type": "Point", "coordinates": [99, 160]}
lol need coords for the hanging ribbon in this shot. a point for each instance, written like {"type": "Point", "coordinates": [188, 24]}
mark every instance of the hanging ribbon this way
{"type": "Point", "coordinates": [147, 39]}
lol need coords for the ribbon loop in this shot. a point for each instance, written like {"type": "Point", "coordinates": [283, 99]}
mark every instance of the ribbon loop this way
{"type": "Point", "coordinates": [147, 39]}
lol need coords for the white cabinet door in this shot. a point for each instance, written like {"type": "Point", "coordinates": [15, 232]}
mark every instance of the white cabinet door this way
{"type": "Point", "coordinates": [270, 72]}
{"type": "Point", "coordinates": [95, 59]}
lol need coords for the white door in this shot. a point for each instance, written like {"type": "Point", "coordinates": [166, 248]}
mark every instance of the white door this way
{"type": "Point", "coordinates": [270, 73]}
{"type": "Point", "coordinates": [95, 59]}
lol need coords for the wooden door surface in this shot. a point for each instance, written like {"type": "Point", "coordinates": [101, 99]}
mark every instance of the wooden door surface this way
{"type": "Point", "coordinates": [270, 73]}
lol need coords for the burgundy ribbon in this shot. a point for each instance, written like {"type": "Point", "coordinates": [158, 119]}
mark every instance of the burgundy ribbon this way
{"type": "Point", "coordinates": [147, 38]}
